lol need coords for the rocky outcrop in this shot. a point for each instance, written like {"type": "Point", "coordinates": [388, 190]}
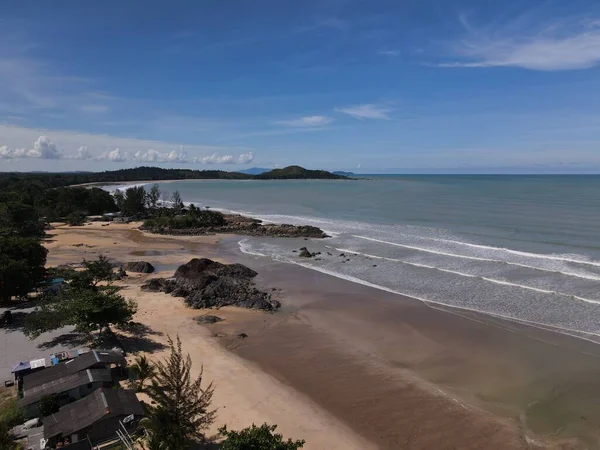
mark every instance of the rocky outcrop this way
{"type": "Point", "coordinates": [208, 319]}
{"type": "Point", "coordinates": [139, 267]}
{"type": "Point", "coordinates": [204, 283]}
{"type": "Point", "coordinates": [236, 224]}
{"type": "Point", "coordinates": [304, 253]}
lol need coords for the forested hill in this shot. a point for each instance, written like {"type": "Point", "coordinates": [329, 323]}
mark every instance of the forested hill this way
{"type": "Point", "coordinates": [154, 174]}
{"type": "Point", "coordinates": [298, 173]}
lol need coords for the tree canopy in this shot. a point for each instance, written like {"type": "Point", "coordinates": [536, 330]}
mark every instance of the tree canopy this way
{"type": "Point", "coordinates": [257, 438]}
{"type": "Point", "coordinates": [83, 302]}
{"type": "Point", "coordinates": [180, 412]}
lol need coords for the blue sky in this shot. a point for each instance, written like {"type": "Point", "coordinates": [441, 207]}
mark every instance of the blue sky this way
{"type": "Point", "coordinates": [367, 86]}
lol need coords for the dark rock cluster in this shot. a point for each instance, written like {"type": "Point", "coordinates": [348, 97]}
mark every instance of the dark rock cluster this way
{"type": "Point", "coordinates": [204, 283]}
{"type": "Point", "coordinates": [139, 267]}
{"type": "Point", "coordinates": [236, 224]}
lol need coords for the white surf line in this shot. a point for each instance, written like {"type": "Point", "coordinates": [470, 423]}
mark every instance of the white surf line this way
{"type": "Point", "coordinates": [544, 326]}
{"type": "Point", "coordinates": [517, 252]}
{"type": "Point", "coordinates": [477, 258]}
{"type": "Point", "coordinates": [468, 275]}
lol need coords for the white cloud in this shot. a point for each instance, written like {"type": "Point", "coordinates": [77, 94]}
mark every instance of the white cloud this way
{"type": "Point", "coordinates": [158, 157]}
{"type": "Point", "coordinates": [8, 153]}
{"type": "Point", "coordinates": [389, 52]}
{"type": "Point", "coordinates": [565, 45]}
{"type": "Point", "coordinates": [245, 158]}
{"type": "Point", "coordinates": [215, 158]}
{"type": "Point", "coordinates": [83, 153]}
{"type": "Point", "coordinates": [366, 111]}
{"type": "Point", "coordinates": [94, 109]}
{"type": "Point", "coordinates": [308, 121]}
{"type": "Point", "coordinates": [43, 148]}
{"type": "Point", "coordinates": [116, 155]}
{"type": "Point", "coordinates": [80, 148]}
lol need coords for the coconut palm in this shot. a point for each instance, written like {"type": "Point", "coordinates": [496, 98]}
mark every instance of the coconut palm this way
{"type": "Point", "coordinates": [142, 369]}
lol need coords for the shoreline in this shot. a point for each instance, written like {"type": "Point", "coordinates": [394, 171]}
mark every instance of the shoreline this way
{"type": "Point", "coordinates": [381, 363]}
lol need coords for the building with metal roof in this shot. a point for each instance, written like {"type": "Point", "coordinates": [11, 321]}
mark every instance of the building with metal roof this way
{"type": "Point", "coordinates": [90, 360]}
{"type": "Point", "coordinates": [95, 417]}
{"type": "Point", "coordinates": [66, 389]}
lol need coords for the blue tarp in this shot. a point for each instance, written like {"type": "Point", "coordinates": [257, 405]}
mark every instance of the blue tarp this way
{"type": "Point", "coordinates": [21, 366]}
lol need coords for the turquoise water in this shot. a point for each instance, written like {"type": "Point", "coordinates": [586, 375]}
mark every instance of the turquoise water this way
{"type": "Point", "coordinates": [522, 247]}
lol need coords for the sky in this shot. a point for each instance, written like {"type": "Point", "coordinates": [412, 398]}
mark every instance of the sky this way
{"type": "Point", "coordinates": [367, 86]}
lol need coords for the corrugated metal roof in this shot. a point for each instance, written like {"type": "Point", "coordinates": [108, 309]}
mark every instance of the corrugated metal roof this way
{"type": "Point", "coordinates": [83, 362]}
{"type": "Point", "coordinates": [63, 384]}
{"type": "Point", "coordinates": [101, 404]}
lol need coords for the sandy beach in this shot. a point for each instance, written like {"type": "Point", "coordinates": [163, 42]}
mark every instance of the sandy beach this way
{"type": "Point", "coordinates": [346, 366]}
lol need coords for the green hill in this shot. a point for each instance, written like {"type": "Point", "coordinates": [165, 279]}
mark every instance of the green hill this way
{"type": "Point", "coordinates": [298, 173]}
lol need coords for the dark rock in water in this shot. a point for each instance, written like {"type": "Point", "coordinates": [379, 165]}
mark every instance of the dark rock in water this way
{"type": "Point", "coordinates": [204, 283]}
{"type": "Point", "coordinates": [304, 253]}
{"type": "Point", "coordinates": [374, 265]}
{"type": "Point", "coordinates": [329, 254]}
{"type": "Point", "coordinates": [343, 255]}
{"type": "Point", "coordinates": [207, 320]}
{"type": "Point", "coordinates": [242, 335]}
{"type": "Point", "coordinates": [294, 251]}
{"type": "Point", "coordinates": [139, 266]}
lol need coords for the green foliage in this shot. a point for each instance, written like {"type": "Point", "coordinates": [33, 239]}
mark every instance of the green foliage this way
{"type": "Point", "coordinates": [153, 197]}
{"type": "Point", "coordinates": [177, 203]}
{"type": "Point", "coordinates": [48, 405]}
{"type": "Point", "coordinates": [86, 309]}
{"type": "Point", "coordinates": [10, 415]}
{"type": "Point", "coordinates": [6, 438]}
{"type": "Point", "coordinates": [134, 202]}
{"type": "Point", "coordinates": [20, 219]}
{"type": "Point", "coordinates": [76, 218]}
{"type": "Point", "coordinates": [257, 438]}
{"type": "Point", "coordinates": [99, 270]}
{"type": "Point", "coordinates": [180, 412]}
{"type": "Point", "coordinates": [142, 369]}
{"type": "Point", "coordinates": [22, 263]}
{"type": "Point", "coordinates": [193, 219]}
{"type": "Point", "coordinates": [63, 201]}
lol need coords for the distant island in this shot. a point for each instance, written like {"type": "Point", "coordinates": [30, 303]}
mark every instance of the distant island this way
{"type": "Point", "coordinates": [345, 174]}
{"type": "Point", "coordinates": [298, 173]}
{"type": "Point", "coordinates": [145, 173]}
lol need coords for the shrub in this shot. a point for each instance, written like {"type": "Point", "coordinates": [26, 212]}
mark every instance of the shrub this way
{"type": "Point", "coordinates": [257, 438]}
{"type": "Point", "coordinates": [76, 219]}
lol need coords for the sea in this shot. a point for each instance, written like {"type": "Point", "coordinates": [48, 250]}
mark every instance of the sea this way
{"type": "Point", "coordinates": [523, 248]}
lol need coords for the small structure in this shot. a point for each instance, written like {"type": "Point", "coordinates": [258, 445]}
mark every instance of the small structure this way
{"type": "Point", "coordinates": [54, 285]}
{"type": "Point", "coordinates": [95, 359]}
{"type": "Point", "coordinates": [96, 417]}
{"type": "Point", "coordinates": [66, 389]}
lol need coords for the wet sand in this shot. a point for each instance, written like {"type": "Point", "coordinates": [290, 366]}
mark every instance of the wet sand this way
{"type": "Point", "coordinates": [376, 368]}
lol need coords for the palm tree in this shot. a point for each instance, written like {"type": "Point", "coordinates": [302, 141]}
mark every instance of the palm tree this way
{"type": "Point", "coordinates": [142, 369]}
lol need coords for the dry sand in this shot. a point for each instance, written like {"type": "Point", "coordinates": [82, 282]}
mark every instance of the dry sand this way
{"type": "Point", "coordinates": [243, 394]}
{"type": "Point", "coordinates": [347, 366]}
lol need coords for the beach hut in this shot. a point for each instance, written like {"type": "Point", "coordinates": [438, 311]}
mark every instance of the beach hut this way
{"type": "Point", "coordinates": [20, 369]}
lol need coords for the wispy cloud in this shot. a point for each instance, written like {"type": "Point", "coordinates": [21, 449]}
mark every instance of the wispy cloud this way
{"type": "Point", "coordinates": [308, 121]}
{"type": "Point", "coordinates": [366, 111]}
{"type": "Point", "coordinates": [568, 44]}
{"type": "Point", "coordinates": [389, 52]}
